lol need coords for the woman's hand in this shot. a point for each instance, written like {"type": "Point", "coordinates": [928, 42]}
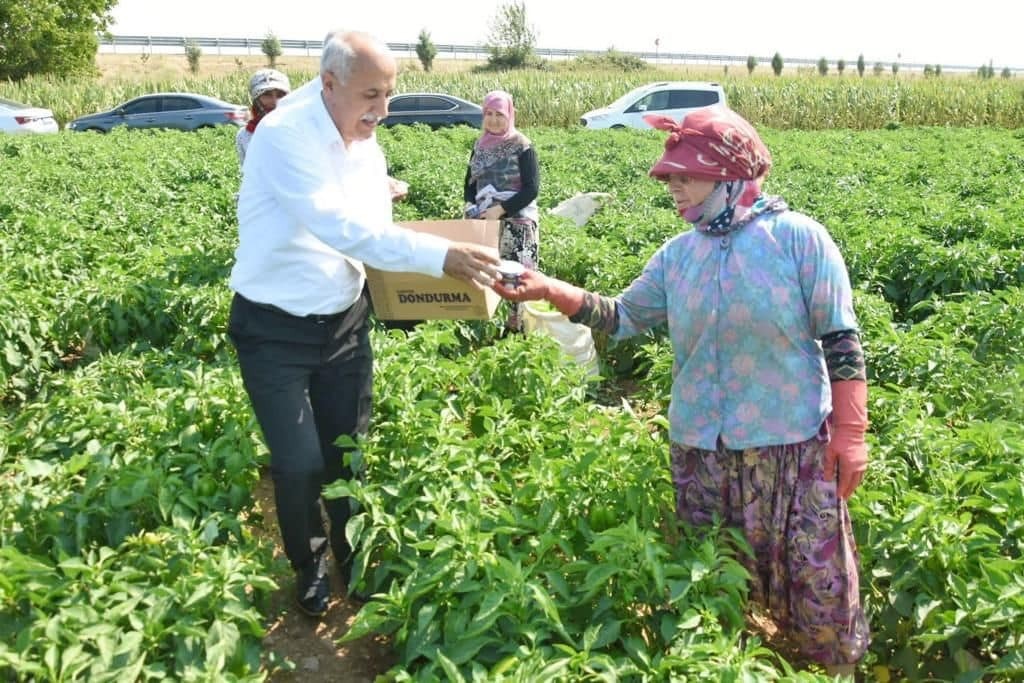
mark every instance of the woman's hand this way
{"type": "Point", "coordinates": [495, 212]}
{"type": "Point", "coordinates": [846, 452]}
{"type": "Point", "coordinates": [533, 286]}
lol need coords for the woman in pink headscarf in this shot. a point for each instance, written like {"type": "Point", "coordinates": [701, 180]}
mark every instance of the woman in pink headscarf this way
{"type": "Point", "coordinates": [502, 182]}
{"type": "Point", "coordinates": [768, 405]}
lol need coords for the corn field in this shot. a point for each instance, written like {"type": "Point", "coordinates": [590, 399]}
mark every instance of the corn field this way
{"type": "Point", "coordinates": [558, 98]}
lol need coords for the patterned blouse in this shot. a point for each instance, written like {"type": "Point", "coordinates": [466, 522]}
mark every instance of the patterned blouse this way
{"type": "Point", "coordinates": [745, 313]}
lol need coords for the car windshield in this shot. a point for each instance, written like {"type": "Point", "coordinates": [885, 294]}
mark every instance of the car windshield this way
{"type": "Point", "coordinates": [627, 98]}
{"type": "Point", "coordinates": [11, 104]}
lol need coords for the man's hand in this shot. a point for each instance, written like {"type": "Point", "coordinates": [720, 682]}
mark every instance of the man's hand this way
{"type": "Point", "coordinates": [399, 189]}
{"type": "Point", "coordinates": [471, 263]}
{"type": "Point", "coordinates": [495, 212]}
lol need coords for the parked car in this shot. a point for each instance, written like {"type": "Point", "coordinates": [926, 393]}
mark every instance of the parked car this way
{"type": "Point", "coordinates": [670, 98]}
{"type": "Point", "coordinates": [437, 110]}
{"type": "Point", "coordinates": [176, 110]}
{"type": "Point", "coordinates": [16, 117]}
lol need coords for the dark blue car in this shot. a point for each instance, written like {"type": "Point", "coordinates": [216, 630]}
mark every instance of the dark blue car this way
{"type": "Point", "coordinates": [433, 109]}
{"type": "Point", "coordinates": [175, 110]}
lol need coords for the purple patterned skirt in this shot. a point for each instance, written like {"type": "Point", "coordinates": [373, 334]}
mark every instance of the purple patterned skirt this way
{"type": "Point", "coordinates": [804, 567]}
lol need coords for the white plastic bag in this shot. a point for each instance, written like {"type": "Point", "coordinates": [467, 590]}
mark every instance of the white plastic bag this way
{"type": "Point", "coordinates": [576, 340]}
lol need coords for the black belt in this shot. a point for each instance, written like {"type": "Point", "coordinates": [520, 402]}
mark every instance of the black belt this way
{"type": "Point", "coordinates": [321, 318]}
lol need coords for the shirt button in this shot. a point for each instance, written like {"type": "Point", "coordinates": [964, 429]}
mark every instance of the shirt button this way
{"type": "Point", "coordinates": [725, 242]}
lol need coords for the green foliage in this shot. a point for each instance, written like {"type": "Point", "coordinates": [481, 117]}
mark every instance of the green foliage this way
{"type": "Point", "coordinates": [512, 39]}
{"type": "Point", "coordinates": [271, 47]}
{"type": "Point", "coordinates": [55, 38]}
{"type": "Point", "coordinates": [426, 50]}
{"type": "Point", "coordinates": [751, 65]}
{"type": "Point", "coordinates": [610, 60]}
{"type": "Point", "coordinates": [822, 66]}
{"type": "Point", "coordinates": [860, 65]}
{"type": "Point", "coordinates": [841, 66]}
{"type": "Point", "coordinates": [193, 53]}
{"type": "Point", "coordinates": [515, 527]}
{"type": "Point", "coordinates": [878, 69]}
{"type": "Point", "coordinates": [777, 64]}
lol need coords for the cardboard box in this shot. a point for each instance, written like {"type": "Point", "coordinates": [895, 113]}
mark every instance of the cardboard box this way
{"type": "Point", "coordinates": [411, 296]}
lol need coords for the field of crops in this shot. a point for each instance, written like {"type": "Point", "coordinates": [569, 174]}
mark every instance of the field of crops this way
{"type": "Point", "coordinates": [557, 98]}
{"type": "Point", "coordinates": [517, 520]}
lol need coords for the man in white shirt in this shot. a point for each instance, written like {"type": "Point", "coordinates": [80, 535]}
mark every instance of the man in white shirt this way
{"type": "Point", "coordinates": [314, 206]}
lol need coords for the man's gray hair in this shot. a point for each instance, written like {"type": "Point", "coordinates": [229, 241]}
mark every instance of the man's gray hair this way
{"type": "Point", "coordinates": [338, 54]}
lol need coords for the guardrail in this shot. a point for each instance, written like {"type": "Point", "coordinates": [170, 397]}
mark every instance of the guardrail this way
{"type": "Point", "coordinates": [312, 47]}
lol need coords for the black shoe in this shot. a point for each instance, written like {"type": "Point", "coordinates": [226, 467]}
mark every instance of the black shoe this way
{"type": "Point", "coordinates": [313, 584]}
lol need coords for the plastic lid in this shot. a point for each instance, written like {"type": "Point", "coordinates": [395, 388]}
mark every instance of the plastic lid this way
{"type": "Point", "coordinates": [511, 268]}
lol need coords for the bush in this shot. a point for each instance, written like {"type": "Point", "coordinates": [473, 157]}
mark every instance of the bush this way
{"type": "Point", "coordinates": [612, 60]}
{"type": "Point", "coordinates": [271, 47]}
{"type": "Point", "coordinates": [426, 50]}
{"type": "Point", "coordinates": [512, 39]}
{"type": "Point", "coordinates": [192, 53]}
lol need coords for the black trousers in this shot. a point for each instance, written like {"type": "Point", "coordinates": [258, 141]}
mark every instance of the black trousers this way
{"type": "Point", "coordinates": [310, 380]}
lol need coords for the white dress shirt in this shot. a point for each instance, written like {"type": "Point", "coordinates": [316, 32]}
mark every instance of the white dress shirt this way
{"type": "Point", "coordinates": [311, 212]}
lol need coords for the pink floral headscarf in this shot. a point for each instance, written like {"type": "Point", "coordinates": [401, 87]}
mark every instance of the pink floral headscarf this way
{"type": "Point", "coordinates": [501, 101]}
{"type": "Point", "coordinates": [711, 143]}
{"type": "Point", "coordinates": [717, 144]}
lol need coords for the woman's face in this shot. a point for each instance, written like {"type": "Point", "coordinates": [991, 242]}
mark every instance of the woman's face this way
{"type": "Point", "coordinates": [268, 100]}
{"type": "Point", "coordinates": [688, 192]}
{"type": "Point", "coordinates": [495, 122]}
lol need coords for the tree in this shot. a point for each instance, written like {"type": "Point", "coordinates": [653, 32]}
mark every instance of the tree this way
{"type": "Point", "coordinates": [1006, 73]}
{"type": "Point", "coordinates": [751, 64]}
{"type": "Point", "coordinates": [879, 68]}
{"type": "Point", "coordinates": [512, 39]}
{"type": "Point", "coordinates": [426, 50]}
{"type": "Point", "coordinates": [822, 66]}
{"type": "Point", "coordinates": [271, 47]}
{"type": "Point", "coordinates": [47, 37]}
{"type": "Point", "coordinates": [929, 70]}
{"type": "Point", "coordinates": [777, 64]}
{"type": "Point", "coordinates": [860, 65]}
{"type": "Point", "coordinates": [841, 66]}
{"type": "Point", "coordinates": [938, 70]}
{"type": "Point", "coordinates": [895, 68]}
{"type": "Point", "coordinates": [192, 53]}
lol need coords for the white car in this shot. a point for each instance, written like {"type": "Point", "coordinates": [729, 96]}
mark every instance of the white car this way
{"type": "Point", "coordinates": [21, 118]}
{"type": "Point", "coordinates": [670, 98]}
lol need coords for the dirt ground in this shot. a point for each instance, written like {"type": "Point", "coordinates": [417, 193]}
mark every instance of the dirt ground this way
{"type": "Point", "coordinates": [309, 644]}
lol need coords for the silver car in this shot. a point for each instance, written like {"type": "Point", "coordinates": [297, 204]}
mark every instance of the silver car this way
{"type": "Point", "coordinates": [175, 110]}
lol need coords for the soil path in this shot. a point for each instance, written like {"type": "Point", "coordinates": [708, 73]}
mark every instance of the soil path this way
{"type": "Point", "coordinates": [309, 644]}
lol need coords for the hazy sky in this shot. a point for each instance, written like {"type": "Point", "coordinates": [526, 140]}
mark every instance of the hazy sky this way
{"type": "Point", "coordinates": [946, 33]}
